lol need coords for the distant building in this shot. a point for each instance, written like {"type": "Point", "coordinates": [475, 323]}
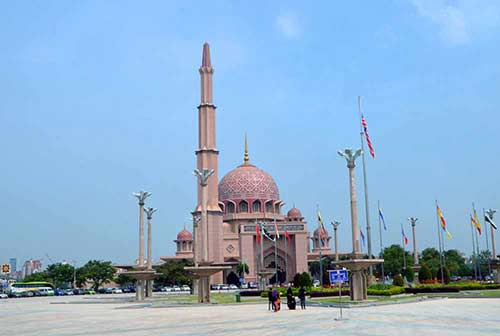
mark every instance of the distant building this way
{"type": "Point", "coordinates": [31, 266]}
{"type": "Point", "coordinates": [13, 265]}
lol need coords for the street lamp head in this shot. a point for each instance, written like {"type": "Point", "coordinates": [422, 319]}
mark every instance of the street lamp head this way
{"type": "Point", "coordinates": [142, 195]}
{"type": "Point", "coordinates": [203, 175]}
{"type": "Point", "coordinates": [349, 156]}
{"type": "Point", "coordinates": [149, 212]}
{"type": "Point", "coordinates": [491, 212]}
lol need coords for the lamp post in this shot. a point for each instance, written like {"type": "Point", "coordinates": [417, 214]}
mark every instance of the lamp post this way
{"type": "Point", "coordinates": [141, 196]}
{"type": "Point", "coordinates": [204, 283]}
{"type": "Point", "coordinates": [413, 222]}
{"type": "Point", "coordinates": [149, 284]}
{"type": "Point", "coordinates": [350, 158]}
{"type": "Point", "coordinates": [335, 225]}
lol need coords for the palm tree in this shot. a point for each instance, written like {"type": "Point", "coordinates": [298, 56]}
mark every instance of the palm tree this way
{"type": "Point", "coordinates": [242, 268]}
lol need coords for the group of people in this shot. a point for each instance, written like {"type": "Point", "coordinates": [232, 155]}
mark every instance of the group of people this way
{"type": "Point", "coordinates": [275, 299]}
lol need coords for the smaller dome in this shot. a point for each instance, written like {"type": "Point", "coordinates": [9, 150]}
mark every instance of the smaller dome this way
{"type": "Point", "coordinates": [184, 235]}
{"type": "Point", "coordinates": [324, 233]}
{"type": "Point", "coordinates": [294, 213]}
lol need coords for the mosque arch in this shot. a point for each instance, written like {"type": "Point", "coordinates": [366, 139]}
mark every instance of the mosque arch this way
{"type": "Point", "coordinates": [232, 279]}
{"type": "Point", "coordinates": [269, 206]}
{"type": "Point", "coordinates": [243, 207]}
{"type": "Point", "coordinates": [256, 206]}
{"type": "Point", "coordinates": [230, 208]}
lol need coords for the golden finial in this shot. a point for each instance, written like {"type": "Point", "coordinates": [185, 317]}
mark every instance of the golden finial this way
{"type": "Point", "coordinates": [245, 158]}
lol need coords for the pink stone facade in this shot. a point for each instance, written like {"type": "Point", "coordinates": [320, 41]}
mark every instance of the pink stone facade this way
{"type": "Point", "coordinates": [244, 196]}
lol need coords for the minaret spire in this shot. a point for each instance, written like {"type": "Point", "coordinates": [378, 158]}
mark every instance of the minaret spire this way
{"type": "Point", "coordinates": [245, 157]}
{"type": "Point", "coordinates": [206, 56]}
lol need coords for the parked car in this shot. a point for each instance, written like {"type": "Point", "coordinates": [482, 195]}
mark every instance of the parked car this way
{"type": "Point", "coordinates": [214, 287]}
{"type": "Point", "coordinates": [244, 286]}
{"type": "Point", "coordinates": [68, 292]}
{"type": "Point", "coordinates": [166, 289]}
{"type": "Point", "coordinates": [186, 288]}
{"type": "Point", "coordinates": [116, 291]}
{"type": "Point", "coordinates": [58, 292]}
{"type": "Point", "coordinates": [233, 287]}
{"type": "Point", "coordinates": [78, 291]}
{"type": "Point", "coordinates": [224, 287]}
{"type": "Point", "coordinates": [3, 296]}
{"type": "Point", "coordinates": [46, 291]}
{"type": "Point", "coordinates": [126, 290]}
{"type": "Point", "coordinates": [176, 289]}
{"type": "Point", "coordinates": [88, 292]}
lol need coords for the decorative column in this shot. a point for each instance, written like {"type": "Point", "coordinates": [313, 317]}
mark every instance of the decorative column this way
{"type": "Point", "coordinates": [149, 283]}
{"type": "Point", "coordinates": [351, 158]}
{"type": "Point", "coordinates": [357, 267]}
{"type": "Point", "coordinates": [335, 225]}
{"type": "Point", "coordinates": [141, 196]}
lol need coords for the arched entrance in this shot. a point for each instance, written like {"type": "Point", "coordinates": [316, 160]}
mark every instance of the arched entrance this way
{"type": "Point", "coordinates": [232, 279]}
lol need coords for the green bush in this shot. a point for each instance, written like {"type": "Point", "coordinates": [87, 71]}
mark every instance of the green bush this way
{"type": "Point", "coordinates": [425, 273]}
{"type": "Point", "coordinates": [393, 290]}
{"type": "Point", "coordinates": [398, 280]}
{"type": "Point", "coordinates": [446, 275]}
{"type": "Point", "coordinates": [380, 286]}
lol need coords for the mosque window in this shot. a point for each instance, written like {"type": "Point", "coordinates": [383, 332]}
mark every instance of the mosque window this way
{"type": "Point", "coordinates": [256, 206]}
{"type": "Point", "coordinates": [230, 207]}
{"type": "Point", "coordinates": [243, 207]}
{"type": "Point", "coordinates": [277, 208]}
{"type": "Point", "coordinates": [269, 207]}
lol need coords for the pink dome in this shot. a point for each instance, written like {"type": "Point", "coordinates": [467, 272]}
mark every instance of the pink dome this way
{"type": "Point", "coordinates": [294, 213]}
{"type": "Point", "coordinates": [247, 182]}
{"type": "Point", "coordinates": [324, 233]}
{"type": "Point", "coordinates": [184, 235]}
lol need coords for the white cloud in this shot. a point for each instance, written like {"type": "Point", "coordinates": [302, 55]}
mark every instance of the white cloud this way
{"type": "Point", "coordinates": [288, 25]}
{"type": "Point", "coordinates": [460, 21]}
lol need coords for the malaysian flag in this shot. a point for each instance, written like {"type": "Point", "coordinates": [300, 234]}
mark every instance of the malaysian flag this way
{"type": "Point", "coordinates": [405, 238]}
{"type": "Point", "coordinates": [368, 141]}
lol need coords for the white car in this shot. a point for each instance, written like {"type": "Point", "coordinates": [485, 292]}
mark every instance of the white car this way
{"type": "Point", "coordinates": [232, 287]}
{"type": "Point", "coordinates": [3, 296]}
{"type": "Point", "coordinates": [185, 288]}
{"type": "Point", "coordinates": [244, 286]}
{"type": "Point", "coordinates": [166, 289]}
{"type": "Point", "coordinates": [176, 289]}
{"type": "Point", "coordinates": [116, 291]}
{"type": "Point", "coordinates": [225, 287]}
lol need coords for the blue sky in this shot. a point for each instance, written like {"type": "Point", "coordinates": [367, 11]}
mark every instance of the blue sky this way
{"type": "Point", "coordinates": [99, 100]}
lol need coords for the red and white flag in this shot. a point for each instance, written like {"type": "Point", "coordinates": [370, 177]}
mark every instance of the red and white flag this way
{"type": "Point", "coordinates": [368, 141]}
{"type": "Point", "coordinates": [276, 229]}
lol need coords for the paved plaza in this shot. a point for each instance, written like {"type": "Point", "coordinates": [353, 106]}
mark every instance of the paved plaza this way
{"type": "Point", "coordinates": [94, 316]}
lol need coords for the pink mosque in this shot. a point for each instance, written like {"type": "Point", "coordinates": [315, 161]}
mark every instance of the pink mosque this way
{"type": "Point", "coordinates": [244, 196]}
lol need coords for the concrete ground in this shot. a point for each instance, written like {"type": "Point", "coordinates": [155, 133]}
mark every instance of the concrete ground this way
{"type": "Point", "coordinates": [82, 315]}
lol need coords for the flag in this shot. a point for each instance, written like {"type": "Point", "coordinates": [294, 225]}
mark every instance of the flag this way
{"type": "Point", "coordinates": [476, 222]}
{"type": "Point", "coordinates": [266, 234]}
{"type": "Point", "coordinates": [362, 237]}
{"type": "Point", "coordinates": [443, 222]}
{"type": "Point", "coordinates": [368, 141]}
{"type": "Point", "coordinates": [405, 238]}
{"type": "Point", "coordinates": [489, 220]}
{"type": "Point", "coordinates": [287, 235]}
{"type": "Point", "coordinates": [257, 231]}
{"type": "Point", "coordinates": [381, 215]}
{"type": "Point", "coordinates": [276, 229]}
{"type": "Point", "coordinates": [320, 219]}
{"type": "Point", "coordinates": [323, 236]}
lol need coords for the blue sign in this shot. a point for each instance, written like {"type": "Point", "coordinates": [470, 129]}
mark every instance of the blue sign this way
{"type": "Point", "coordinates": [338, 276]}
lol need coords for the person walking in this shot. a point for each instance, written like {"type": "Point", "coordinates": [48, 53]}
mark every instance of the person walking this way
{"type": "Point", "coordinates": [302, 297]}
{"type": "Point", "coordinates": [270, 304]}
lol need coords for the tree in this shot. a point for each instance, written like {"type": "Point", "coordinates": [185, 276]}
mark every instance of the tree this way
{"type": "Point", "coordinates": [242, 268]}
{"type": "Point", "coordinates": [99, 272]}
{"type": "Point", "coordinates": [483, 259]}
{"type": "Point", "coordinates": [454, 261]}
{"type": "Point", "coordinates": [409, 274]}
{"type": "Point", "coordinates": [424, 274]}
{"type": "Point", "coordinates": [305, 280]}
{"type": "Point", "coordinates": [296, 280]}
{"type": "Point", "coordinates": [393, 259]}
{"type": "Point", "coordinates": [398, 280]}
{"type": "Point", "coordinates": [61, 274]}
{"type": "Point", "coordinates": [431, 257]}
{"type": "Point", "coordinates": [314, 268]}
{"type": "Point", "coordinates": [124, 280]}
{"type": "Point", "coordinates": [446, 275]}
{"type": "Point", "coordinates": [39, 276]}
{"type": "Point", "coordinates": [172, 273]}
